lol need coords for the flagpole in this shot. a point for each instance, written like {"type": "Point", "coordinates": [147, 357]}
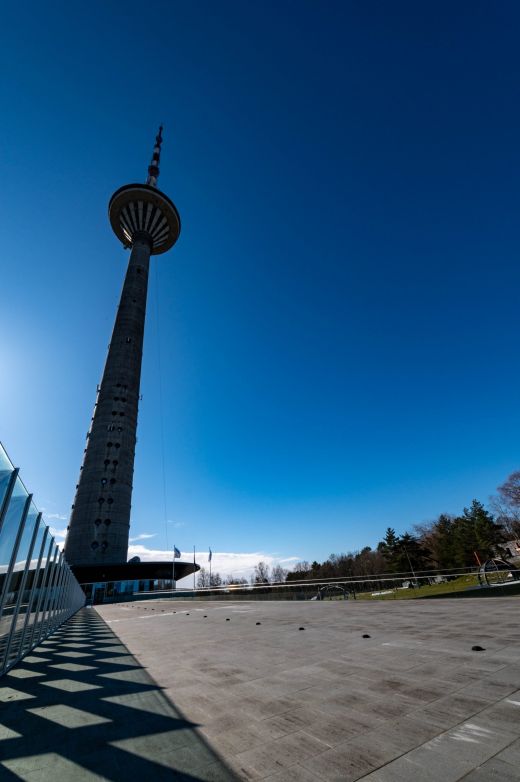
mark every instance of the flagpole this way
{"type": "Point", "coordinates": [194, 570]}
{"type": "Point", "coordinates": [174, 583]}
{"type": "Point", "coordinates": [210, 568]}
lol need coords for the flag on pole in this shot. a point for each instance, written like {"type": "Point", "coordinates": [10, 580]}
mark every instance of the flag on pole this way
{"type": "Point", "coordinates": [210, 555]}
{"type": "Point", "coordinates": [176, 553]}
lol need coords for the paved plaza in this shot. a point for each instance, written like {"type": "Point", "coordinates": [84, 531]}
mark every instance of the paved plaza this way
{"type": "Point", "coordinates": [180, 690]}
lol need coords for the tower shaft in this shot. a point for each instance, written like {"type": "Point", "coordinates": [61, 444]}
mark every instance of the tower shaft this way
{"type": "Point", "coordinates": [145, 219]}
{"type": "Point", "coordinates": [100, 519]}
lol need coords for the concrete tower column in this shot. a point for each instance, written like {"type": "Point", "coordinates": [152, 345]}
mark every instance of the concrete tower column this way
{"type": "Point", "coordinates": [100, 520]}
{"type": "Point", "coordinates": [146, 220]}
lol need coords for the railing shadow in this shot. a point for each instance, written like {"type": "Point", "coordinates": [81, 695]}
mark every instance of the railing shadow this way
{"type": "Point", "coordinates": [81, 707]}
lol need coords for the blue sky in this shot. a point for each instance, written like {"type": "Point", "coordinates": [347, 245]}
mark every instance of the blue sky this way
{"type": "Point", "coordinates": [338, 323]}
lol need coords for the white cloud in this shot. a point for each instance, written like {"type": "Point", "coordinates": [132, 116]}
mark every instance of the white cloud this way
{"type": "Point", "coordinates": [177, 523]}
{"type": "Point", "coordinates": [143, 536]}
{"type": "Point", "coordinates": [59, 516]}
{"type": "Point", "coordinates": [227, 563]}
{"type": "Point", "coordinates": [58, 533]}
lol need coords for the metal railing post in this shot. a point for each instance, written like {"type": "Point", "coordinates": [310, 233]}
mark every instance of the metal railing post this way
{"type": "Point", "coordinates": [54, 597]}
{"type": "Point", "coordinates": [21, 590]}
{"type": "Point", "coordinates": [46, 593]}
{"type": "Point", "coordinates": [32, 596]}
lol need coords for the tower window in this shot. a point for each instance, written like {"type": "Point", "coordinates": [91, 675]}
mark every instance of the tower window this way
{"type": "Point", "coordinates": [110, 500]}
{"type": "Point", "coordinates": [112, 481]}
{"type": "Point", "coordinates": [108, 522]}
{"type": "Point", "coordinates": [103, 481]}
{"type": "Point", "coordinates": [104, 545]}
{"type": "Point", "coordinates": [109, 444]}
{"type": "Point", "coordinates": [115, 462]}
{"type": "Point", "coordinates": [128, 340]}
{"type": "Point", "coordinates": [106, 462]}
{"type": "Point", "coordinates": [97, 522]}
{"type": "Point", "coordinates": [94, 545]}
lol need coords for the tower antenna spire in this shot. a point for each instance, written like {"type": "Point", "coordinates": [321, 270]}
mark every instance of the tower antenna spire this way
{"type": "Point", "coordinates": [153, 168]}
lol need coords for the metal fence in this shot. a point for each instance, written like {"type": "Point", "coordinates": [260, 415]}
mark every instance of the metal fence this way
{"type": "Point", "coordinates": [38, 591]}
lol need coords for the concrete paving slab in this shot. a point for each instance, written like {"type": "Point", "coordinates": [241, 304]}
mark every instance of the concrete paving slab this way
{"type": "Point", "coordinates": [168, 694]}
{"type": "Point", "coordinates": [95, 723]}
{"type": "Point", "coordinates": [495, 770]}
{"type": "Point", "coordinates": [327, 704]}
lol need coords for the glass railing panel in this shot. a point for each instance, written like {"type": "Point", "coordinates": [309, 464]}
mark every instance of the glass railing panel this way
{"type": "Point", "coordinates": [10, 526]}
{"type": "Point", "coordinates": [59, 593]}
{"type": "Point", "coordinates": [8, 543]}
{"type": "Point", "coordinates": [25, 541]}
{"type": "Point", "coordinates": [16, 577]}
{"type": "Point", "coordinates": [51, 588]}
{"type": "Point", "coordinates": [44, 589]}
{"type": "Point", "coordinates": [5, 477]}
{"type": "Point", "coordinates": [9, 620]}
{"type": "Point", "coordinates": [6, 470]}
{"type": "Point", "coordinates": [37, 588]}
{"type": "Point", "coordinates": [27, 610]}
{"type": "Point", "coordinates": [5, 462]}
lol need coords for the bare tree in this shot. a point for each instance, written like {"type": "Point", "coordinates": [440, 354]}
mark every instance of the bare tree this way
{"type": "Point", "coordinates": [506, 515]}
{"type": "Point", "coordinates": [203, 578]}
{"type": "Point", "coordinates": [261, 574]}
{"type": "Point", "coordinates": [506, 505]}
{"type": "Point", "coordinates": [231, 581]}
{"type": "Point", "coordinates": [278, 574]}
{"type": "Point", "coordinates": [509, 491]}
{"type": "Point", "coordinates": [215, 580]}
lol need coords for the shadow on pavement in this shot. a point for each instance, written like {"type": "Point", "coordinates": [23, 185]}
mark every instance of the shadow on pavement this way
{"type": "Point", "coordinates": [80, 707]}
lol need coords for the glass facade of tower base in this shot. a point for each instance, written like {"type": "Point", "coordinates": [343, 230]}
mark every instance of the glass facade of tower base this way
{"type": "Point", "coordinates": [38, 591]}
{"type": "Point", "coordinates": [116, 591]}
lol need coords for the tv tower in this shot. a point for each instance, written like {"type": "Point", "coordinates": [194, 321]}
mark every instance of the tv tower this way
{"type": "Point", "coordinates": [145, 220]}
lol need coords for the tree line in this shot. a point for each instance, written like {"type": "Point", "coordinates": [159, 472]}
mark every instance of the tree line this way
{"type": "Point", "coordinates": [447, 542]}
{"type": "Point", "coordinates": [263, 574]}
